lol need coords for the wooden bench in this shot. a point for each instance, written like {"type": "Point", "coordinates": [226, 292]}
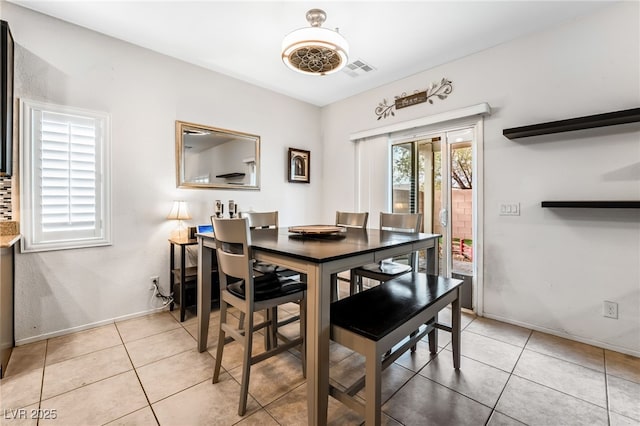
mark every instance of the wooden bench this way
{"type": "Point", "coordinates": [385, 321]}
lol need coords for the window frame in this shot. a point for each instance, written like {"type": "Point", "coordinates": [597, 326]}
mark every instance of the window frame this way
{"type": "Point", "coordinates": [30, 208]}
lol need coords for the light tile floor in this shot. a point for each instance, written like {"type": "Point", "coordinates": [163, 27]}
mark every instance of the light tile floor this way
{"type": "Point", "coordinates": [146, 371]}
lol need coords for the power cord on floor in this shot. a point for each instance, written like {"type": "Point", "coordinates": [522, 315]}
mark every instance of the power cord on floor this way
{"type": "Point", "coordinates": [165, 299]}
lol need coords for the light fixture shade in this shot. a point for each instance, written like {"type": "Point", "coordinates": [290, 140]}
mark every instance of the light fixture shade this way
{"type": "Point", "coordinates": [315, 50]}
{"type": "Point", "coordinates": [179, 211]}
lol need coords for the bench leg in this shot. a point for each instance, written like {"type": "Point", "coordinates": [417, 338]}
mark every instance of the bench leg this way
{"type": "Point", "coordinates": [414, 347]}
{"type": "Point", "coordinates": [456, 317]}
{"type": "Point", "coordinates": [433, 337]}
{"type": "Point", "coordinates": [373, 386]}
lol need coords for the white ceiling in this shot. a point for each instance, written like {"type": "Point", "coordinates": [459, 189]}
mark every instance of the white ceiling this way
{"type": "Point", "coordinates": [242, 39]}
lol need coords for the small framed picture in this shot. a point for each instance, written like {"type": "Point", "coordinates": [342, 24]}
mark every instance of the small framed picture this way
{"type": "Point", "coordinates": [299, 161]}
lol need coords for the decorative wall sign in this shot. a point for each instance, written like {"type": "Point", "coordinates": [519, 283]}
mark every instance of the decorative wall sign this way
{"type": "Point", "coordinates": [440, 90]}
{"type": "Point", "coordinates": [416, 98]}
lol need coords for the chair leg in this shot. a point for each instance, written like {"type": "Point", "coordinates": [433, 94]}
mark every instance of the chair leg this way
{"type": "Point", "coordinates": [241, 321]}
{"type": "Point", "coordinates": [334, 287]}
{"type": "Point", "coordinates": [272, 329]}
{"type": "Point", "coordinates": [353, 283]}
{"type": "Point", "coordinates": [267, 331]}
{"type": "Point", "coordinates": [414, 347]}
{"type": "Point", "coordinates": [433, 337]}
{"type": "Point", "coordinates": [456, 314]}
{"type": "Point", "coordinates": [221, 337]}
{"type": "Point", "coordinates": [246, 369]}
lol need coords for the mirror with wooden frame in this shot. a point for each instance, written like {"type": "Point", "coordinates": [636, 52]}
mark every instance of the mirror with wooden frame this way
{"type": "Point", "coordinates": [209, 157]}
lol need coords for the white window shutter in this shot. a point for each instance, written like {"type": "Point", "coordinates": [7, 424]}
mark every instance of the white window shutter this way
{"type": "Point", "coordinates": [65, 162]}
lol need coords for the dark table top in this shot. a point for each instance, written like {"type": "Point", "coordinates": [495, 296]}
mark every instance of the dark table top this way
{"type": "Point", "coordinates": [322, 249]}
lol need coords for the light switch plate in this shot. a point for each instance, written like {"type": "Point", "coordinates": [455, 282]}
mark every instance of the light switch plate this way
{"type": "Point", "coordinates": [510, 209]}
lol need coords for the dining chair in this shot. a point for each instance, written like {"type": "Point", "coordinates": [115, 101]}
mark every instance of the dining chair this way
{"type": "Point", "coordinates": [262, 220]}
{"type": "Point", "coordinates": [239, 289]}
{"type": "Point", "coordinates": [348, 220]}
{"type": "Point", "coordinates": [266, 220]}
{"type": "Point", "coordinates": [388, 269]}
{"type": "Point", "coordinates": [351, 219]}
{"type": "Point", "coordinates": [269, 220]}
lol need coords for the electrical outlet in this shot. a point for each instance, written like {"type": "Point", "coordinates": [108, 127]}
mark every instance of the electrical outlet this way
{"type": "Point", "coordinates": [610, 309]}
{"type": "Point", "coordinates": [155, 280]}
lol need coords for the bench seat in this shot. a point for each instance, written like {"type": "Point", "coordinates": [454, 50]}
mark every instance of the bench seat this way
{"type": "Point", "coordinates": [384, 322]}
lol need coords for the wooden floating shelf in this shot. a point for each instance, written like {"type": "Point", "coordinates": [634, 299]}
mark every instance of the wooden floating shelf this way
{"type": "Point", "coordinates": [580, 123]}
{"type": "Point", "coordinates": [593, 204]}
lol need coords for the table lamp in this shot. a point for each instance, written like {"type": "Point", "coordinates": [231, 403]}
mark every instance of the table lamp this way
{"type": "Point", "coordinates": [179, 212]}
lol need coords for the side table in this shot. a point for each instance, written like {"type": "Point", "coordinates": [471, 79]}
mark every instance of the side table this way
{"type": "Point", "coordinates": [181, 274]}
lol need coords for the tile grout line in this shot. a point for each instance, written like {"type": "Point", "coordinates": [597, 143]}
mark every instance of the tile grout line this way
{"type": "Point", "coordinates": [511, 374]}
{"type": "Point", "coordinates": [565, 360]}
{"type": "Point", "coordinates": [154, 334]}
{"type": "Point", "coordinates": [497, 340]}
{"type": "Point", "coordinates": [607, 408]}
{"type": "Point", "coordinates": [493, 409]}
{"type": "Point", "coordinates": [265, 406]}
{"type": "Point", "coordinates": [415, 373]}
{"type": "Point", "coordinates": [482, 362]}
{"type": "Point", "coordinates": [44, 366]}
{"type": "Point", "coordinates": [606, 388]}
{"type": "Point", "coordinates": [135, 371]}
{"type": "Point", "coordinates": [562, 392]}
{"type": "Point", "coordinates": [459, 393]}
{"type": "Point", "coordinates": [84, 354]}
{"type": "Point", "coordinates": [540, 353]}
{"type": "Point", "coordinates": [228, 372]}
{"type": "Point", "coordinates": [432, 357]}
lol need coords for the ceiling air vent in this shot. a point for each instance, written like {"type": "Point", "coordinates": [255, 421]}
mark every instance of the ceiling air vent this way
{"type": "Point", "coordinates": [358, 68]}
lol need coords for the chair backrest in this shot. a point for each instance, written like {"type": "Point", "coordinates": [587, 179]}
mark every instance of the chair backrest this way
{"type": "Point", "coordinates": [403, 222]}
{"type": "Point", "coordinates": [352, 220]}
{"type": "Point", "coordinates": [233, 247]}
{"type": "Point", "coordinates": [261, 219]}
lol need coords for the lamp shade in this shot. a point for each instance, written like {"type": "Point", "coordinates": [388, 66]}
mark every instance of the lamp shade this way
{"type": "Point", "coordinates": [315, 50]}
{"type": "Point", "coordinates": [179, 211]}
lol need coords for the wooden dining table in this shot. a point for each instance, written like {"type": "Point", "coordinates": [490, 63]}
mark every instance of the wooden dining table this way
{"type": "Point", "coordinates": [319, 257]}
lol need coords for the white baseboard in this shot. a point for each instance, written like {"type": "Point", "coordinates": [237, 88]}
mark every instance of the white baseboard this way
{"type": "Point", "coordinates": [86, 326]}
{"type": "Point", "coordinates": [580, 339]}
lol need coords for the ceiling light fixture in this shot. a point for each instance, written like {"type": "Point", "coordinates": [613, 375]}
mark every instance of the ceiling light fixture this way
{"type": "Point", "coordinates": [315, 50]}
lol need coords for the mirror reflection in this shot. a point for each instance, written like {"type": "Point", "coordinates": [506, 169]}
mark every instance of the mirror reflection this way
{"type": "Point", "coordinates": [209, 157]}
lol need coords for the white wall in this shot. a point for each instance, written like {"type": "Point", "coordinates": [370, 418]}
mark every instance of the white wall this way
{"type": "Point", "coordinates": [145, 93]}
{"type": "Point", "coordinates": [546, 269]}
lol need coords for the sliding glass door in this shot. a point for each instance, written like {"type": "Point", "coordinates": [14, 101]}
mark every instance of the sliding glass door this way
{"type": "Point", "coordinates": [433, 175]}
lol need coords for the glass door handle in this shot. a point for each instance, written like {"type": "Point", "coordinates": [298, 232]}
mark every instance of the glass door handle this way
{"type": "Point", "coordinates": [443, 217]}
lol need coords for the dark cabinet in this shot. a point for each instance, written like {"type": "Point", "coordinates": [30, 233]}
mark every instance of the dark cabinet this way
{"type": "Point", "coordinates": [6, 83]}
